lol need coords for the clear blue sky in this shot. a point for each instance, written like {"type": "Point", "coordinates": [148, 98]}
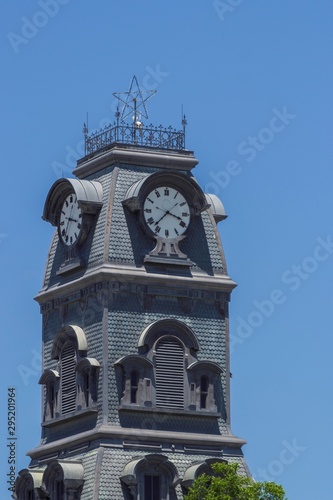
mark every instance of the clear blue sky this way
{"type": "Point", "coordinates": [256, 82]}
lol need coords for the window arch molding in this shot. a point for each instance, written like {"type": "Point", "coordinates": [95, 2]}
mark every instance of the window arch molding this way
{"type": "Point", "coordinates": [156, 330]}
{"type": "Point", "coordinates": [73, 386]}
{"type": "Point", "coordinates": [198, 468]}
{"type": "Point", "coordinates": [51, 380]}
{"type": "Point", "coordinates": [155, 465]}
{"type": "Point", "coordinates": [49, 376]}
{"type": "Point", "coordinates": [87, 370]}
{"type": "Point", "coordinates": [166, 374]}
{"type": "Point", "coordinates": [144, 368]}
{"type": "Point", "coordinates": [63, 479]}
{"type": "Point", "coordinates": [69, 333]}
{"type": "Point", "coordinates": [28, 484]}
{"type": "Point", "coordinates": [204, 398]}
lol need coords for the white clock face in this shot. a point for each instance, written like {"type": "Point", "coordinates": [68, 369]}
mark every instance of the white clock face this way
{"type": "Point", "coordinates": [70, 222]}
{"type": "Point", "coordinates": [166, 212]}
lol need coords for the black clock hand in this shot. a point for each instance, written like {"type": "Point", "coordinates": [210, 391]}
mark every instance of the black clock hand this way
{"type": "Point", "coordinates": [166, 213]}
{"type": "Point", "coordinates": [69, 219]}
{"type": "Point", "coordinates": [177, 217]}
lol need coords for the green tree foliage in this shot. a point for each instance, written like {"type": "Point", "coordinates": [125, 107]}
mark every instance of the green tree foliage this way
{"type": "Point", "coordinates": [226, 484]}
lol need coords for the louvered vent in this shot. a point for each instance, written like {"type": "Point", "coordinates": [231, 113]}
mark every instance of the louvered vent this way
{"type": "Point", "coordinates": [68, 380]}
{"type": "Point", "coordinates": [169, 374]}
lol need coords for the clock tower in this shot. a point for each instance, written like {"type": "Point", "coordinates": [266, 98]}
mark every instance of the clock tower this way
{"type": "Point", "coordinates": [136, 396]}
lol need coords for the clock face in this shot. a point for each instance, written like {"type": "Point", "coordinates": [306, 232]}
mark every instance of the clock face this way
{"type": "Point", "coordinates": [70, 222]}
{"type": "Point", "coordinates": [166, 212]}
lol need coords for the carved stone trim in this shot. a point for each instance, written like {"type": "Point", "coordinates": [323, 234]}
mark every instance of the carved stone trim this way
{"type": "Point", "coordinates": [106, 292]}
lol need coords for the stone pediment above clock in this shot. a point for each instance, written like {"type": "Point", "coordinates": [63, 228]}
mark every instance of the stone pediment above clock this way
{"type": "Point", "coordinates": [136, 193]}
{"type": "Point", "coordinates": [89, 196]}
{"type": "Point", "coordinates": [72, 206]}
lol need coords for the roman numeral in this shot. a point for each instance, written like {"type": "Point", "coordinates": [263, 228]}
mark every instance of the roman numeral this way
{"type": "Point", "coordinates": [157, 193]}
{"type": "Point", "coordinates": [62, 223]}
{"type": "Point", "coordinates": [185, 214]}
{"type": "Point", "coordinates": [176, 231]}
{"type": "Point", "coordinates": [148, 210]}
{"type": "Point", "coordinates": [157, 229]}
{"type": "Point", "coordinates": [79, 226]}
{"type": "Point", "coordinates": [176, 195]}
{"type": "Point", "coordinates": [166, 233]}
{"type": "Point", "coordinates": [182, 204]}
{"type": "Point", "coordinates": [166, 192]}
{"type": "Point", "coordinates": [151, 201]}
{"type": "Point", "coordinates": [182, 223]}
{"type": "Point", "coordinates": [150, 220]}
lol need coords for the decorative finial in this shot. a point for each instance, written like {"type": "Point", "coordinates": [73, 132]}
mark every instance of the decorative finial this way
{"type": "Point", "coordinates": [85, 133]}
{"type": "Point", "coordinates": [134, 100]}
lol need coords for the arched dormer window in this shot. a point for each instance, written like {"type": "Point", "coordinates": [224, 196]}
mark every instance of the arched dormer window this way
{"type": "Point", "coordinates": [51, 380]}
{"type": "Point", "coordinates": [28, 484]}
{"type": "Point", "coordinates": [205, 376]}
{"type": "Point", "coordinates": [170, 378]}
{"type": "Point", "coordinates": [137, 377]}
{"type": "Point", "coordinates": [196, 470]}
{"type": "Point", "coordinates": [63, 479]}
{"type": "Point", "coordinates": [170, 345]}
{"type": "Point", "coordinates": [150, 478]}
{"type": "Point", "coordinates": [87, 377]}
{"type": "Point", "coordinates": [74, 387]}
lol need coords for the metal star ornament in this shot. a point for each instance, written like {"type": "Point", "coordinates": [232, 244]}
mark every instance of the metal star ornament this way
{"type": "Point", "coordinates": [134, 100]}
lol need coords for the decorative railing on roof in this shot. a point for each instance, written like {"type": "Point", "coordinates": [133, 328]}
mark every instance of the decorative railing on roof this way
{"type": "Point", "coordinates": [136, 134]}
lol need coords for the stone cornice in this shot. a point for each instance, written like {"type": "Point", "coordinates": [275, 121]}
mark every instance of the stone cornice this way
{"type": "Point", "coordinates": [134, 155]}
{"type": "Point", "coordinates": [129, 274]}
{"type": "Point", "coordinates": [114, 433]}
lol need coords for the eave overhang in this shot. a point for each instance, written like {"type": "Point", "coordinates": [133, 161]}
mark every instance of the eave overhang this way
{"type": "Point", "coordinates": [111, 434]}
{"type": "Point", "coordinates": [131, 274]}
{"type": "Point", "coordinates": [139, 156]}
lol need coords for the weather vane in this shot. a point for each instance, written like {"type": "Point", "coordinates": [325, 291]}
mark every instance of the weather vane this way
{"type": "Point", "coordinates": [134, 100]}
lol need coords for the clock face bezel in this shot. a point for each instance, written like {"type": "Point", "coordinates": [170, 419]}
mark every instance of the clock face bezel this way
{"type": "Point", "coordinates": [70, 224]}
{"type": "Point", "coordinates": [166, 212]}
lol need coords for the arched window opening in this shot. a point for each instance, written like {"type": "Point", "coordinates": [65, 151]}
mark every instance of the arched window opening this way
{"type": "Point", "coordinates": [68, 379]}
{"type": "Point", "coordinates": [30, 495]}
{"type": "Point", "coordinates": [63, 479]}
{"type": "Point", "coordinates": [59, 490]}
{"type": "Point", "coordinates": [134, 386]}
{"type": "Point", "coordinates": [151, 477]}
{"type": "Point", "coordinates": [51, 401]}
{"type": "Point", "coordinates": [169, 373]}
{"type": "Point", "coordinates": [204, 384]}
{"type": "Point", "coordinates": [152, 488]}
{"type": "Point", "coordinates": [86, 388]}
